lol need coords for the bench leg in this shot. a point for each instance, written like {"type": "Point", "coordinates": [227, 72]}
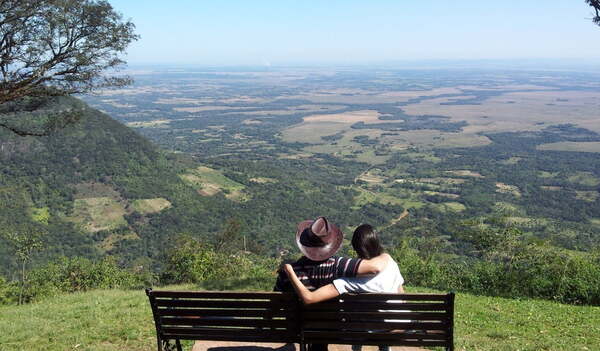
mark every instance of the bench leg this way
{"type": "Point", "coordinates": [178, 343]}
{"type": "Point", "coordinates": [302, 346]}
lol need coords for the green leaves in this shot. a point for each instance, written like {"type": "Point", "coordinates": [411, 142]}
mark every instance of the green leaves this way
{"type": "Point", "coordinates": [52, 48]}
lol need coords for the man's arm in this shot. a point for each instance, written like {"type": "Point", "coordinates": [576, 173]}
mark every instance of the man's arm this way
{"type": "Point", "coordinates": [373, 265]}
{"type": "Point", "coordinates": [308, 297]}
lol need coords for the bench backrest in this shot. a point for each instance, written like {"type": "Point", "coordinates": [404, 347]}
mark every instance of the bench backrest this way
{"type": "Point", "coordinates": [381, 319]}
{"type": "Point", "coordinates": [361, 319]}
{"type": "Point", "coordinates": [230, 316]}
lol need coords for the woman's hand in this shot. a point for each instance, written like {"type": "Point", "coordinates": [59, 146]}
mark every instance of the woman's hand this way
{"type": "Point", "coordinates": [288, 269]}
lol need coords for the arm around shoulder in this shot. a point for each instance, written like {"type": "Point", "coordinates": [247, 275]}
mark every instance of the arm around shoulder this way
{"type": "Point", "coordinates": [373, 265]}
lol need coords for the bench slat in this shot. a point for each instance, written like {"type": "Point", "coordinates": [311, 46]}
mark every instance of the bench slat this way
{"type": "Point", "coordinates": [225, 295]}
{"type": "Point", "coordinates": [232, 334]}
{"type": "Point", "coordinates": [390, 342]}
{"type": "Point", "coordinates": [402, 297]}
{"type": "Point", "coordinates": [374, 325]}
{"type": "Point", "coordinates": [369, 316]}
{"type": "Point", "coordinates": [238, 337]}
{"type": "Point", "coordinates": [334, 335]}
{"type": "Point", "coordinates": [225, 304]}
{"type": "Point", "coordinates": [249, 323]}
{"type": "Point", "coordinates": [203, 312]}
{"type": "Point", "coordinates": [374, 306]}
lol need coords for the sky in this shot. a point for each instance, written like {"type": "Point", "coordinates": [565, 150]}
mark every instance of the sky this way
{"type": "Point", "coordinates": [280, 32]}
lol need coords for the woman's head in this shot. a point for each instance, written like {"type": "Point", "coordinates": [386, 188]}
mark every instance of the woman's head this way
{"type": "Point", "coordinates": [365, 242]}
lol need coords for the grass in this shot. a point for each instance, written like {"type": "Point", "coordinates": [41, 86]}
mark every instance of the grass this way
{"type": "Point", "coordinates": [145, 206]}
{"type": "Point", "coordinates": [209, 182]}
{"type": "Point", "coordinates": [40, 214]}
{"type": "Point", "coordinates": [122, 320]}
{"type": "Point", "coordinates": [99, 213]}
{"type": "Point", "coordinates": [575, 146]}
{"type": "Point", "coordinates": [584, 178]}
{"type": "Point", "coordinates": [589, 196]}
{"type": "Point", "coordinates": [451, 207]}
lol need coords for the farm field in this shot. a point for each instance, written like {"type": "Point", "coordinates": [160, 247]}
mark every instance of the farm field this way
{"type": "Point", "coordinates": [446, 145]}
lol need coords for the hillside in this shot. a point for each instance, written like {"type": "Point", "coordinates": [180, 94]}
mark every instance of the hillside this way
{"type": "Point", "coordinates": [96, 188]}
{"type": "Point", "coordinates": [118, 320]}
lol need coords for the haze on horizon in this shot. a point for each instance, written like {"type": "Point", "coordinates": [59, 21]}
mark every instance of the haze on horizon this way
{"type": "Point", "coordinates": [270, 32]}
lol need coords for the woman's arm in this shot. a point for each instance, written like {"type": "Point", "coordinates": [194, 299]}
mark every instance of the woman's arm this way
{"type": "Point", "coordinates": [309, 297]}
{"type": "Point", "coordinates": [373, 265]}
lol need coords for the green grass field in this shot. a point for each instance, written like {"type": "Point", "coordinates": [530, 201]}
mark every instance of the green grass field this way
{"type": "Point", "coordinates": [122, 320]}
{"type": "Point", "coordinates": [99, 213]}
{"type": "Point", "coordinates": [209, 182]}
{"type": "Point", "coordinates": [145, 206]}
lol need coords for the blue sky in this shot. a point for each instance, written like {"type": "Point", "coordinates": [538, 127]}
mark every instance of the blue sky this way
{"type": "Point", "coordinates": [264, 32]}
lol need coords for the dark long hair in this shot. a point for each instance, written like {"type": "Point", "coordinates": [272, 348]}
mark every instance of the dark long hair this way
{"type": "Point", "coordinates": [365, 242]}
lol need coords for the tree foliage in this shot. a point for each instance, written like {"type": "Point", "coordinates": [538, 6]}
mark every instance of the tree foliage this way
{"type": "Point", "coordinates": [595, 4]}
{"type": "Point", "coordinates": [51, 48]}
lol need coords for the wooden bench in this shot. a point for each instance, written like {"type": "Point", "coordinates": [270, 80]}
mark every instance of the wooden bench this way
{"type": "Point", "coordinates": [381, 319]}
{"type": "Point", "coordinates": [364, 319]}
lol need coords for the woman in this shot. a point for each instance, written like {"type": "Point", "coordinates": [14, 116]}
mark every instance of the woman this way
{"type": "Point", "coordinates": [366, 244]}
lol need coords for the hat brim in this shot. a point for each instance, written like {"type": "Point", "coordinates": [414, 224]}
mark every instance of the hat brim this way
{"type": "Point", "coordinates": [320, 253]}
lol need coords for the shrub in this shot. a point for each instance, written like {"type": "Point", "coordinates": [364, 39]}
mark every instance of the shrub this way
{"type": "Point", "coordinates": [79, 274]}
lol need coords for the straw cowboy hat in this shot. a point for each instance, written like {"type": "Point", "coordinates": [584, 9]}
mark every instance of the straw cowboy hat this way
{"type": "Point", "coordinates": [318, 239]}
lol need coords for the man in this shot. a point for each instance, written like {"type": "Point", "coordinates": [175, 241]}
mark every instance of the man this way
{"type": "Point", "coordinates": [319, 240]}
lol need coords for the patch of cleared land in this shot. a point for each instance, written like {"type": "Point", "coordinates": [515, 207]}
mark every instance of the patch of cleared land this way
{"type": "Point", "coordinates": [437, 193]}
{"type": "Point", "coordinates": [589, 196]}
{"type": "Point", "coordinates": [208, 108]}
{"type": "Point", "coordinates": [545, 174]}
{"type": "Point", "coordinates": [574, 146]}
{"type": "Point", "coordinates": [584, 178]}
{"type": "Point", "coordinates": [506, 113]}
{"type": "Point", "coordinates": [145, 206]}
{"type": "Point", "coordinates": [511, 161]}
{"type": "Point", "coordinates": [465, 173]}
{"type": "Point", "coordinates": [508, 189]}
{"type": "Point", "coordinates": [99, 213]}
{"type": "Point", "coordinates": [263, 180]}
{"type": "Point", "coordinates": [209, 182]}
{"type": "Point", "coordinates": [149, 124]}
{"type": "Point", "coordinates": [551, 188]}
{"type": "Point", "coordinates": [451, 207]}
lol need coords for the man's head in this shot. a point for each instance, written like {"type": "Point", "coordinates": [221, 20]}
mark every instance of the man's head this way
{"type": "Point", "coordinates": [318, 240]}
{"type": "Point", "coordinates": [365, 242]}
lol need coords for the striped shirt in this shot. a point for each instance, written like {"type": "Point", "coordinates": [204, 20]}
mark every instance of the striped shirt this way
{"type": "Point", "coordinates": [315, 274]}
